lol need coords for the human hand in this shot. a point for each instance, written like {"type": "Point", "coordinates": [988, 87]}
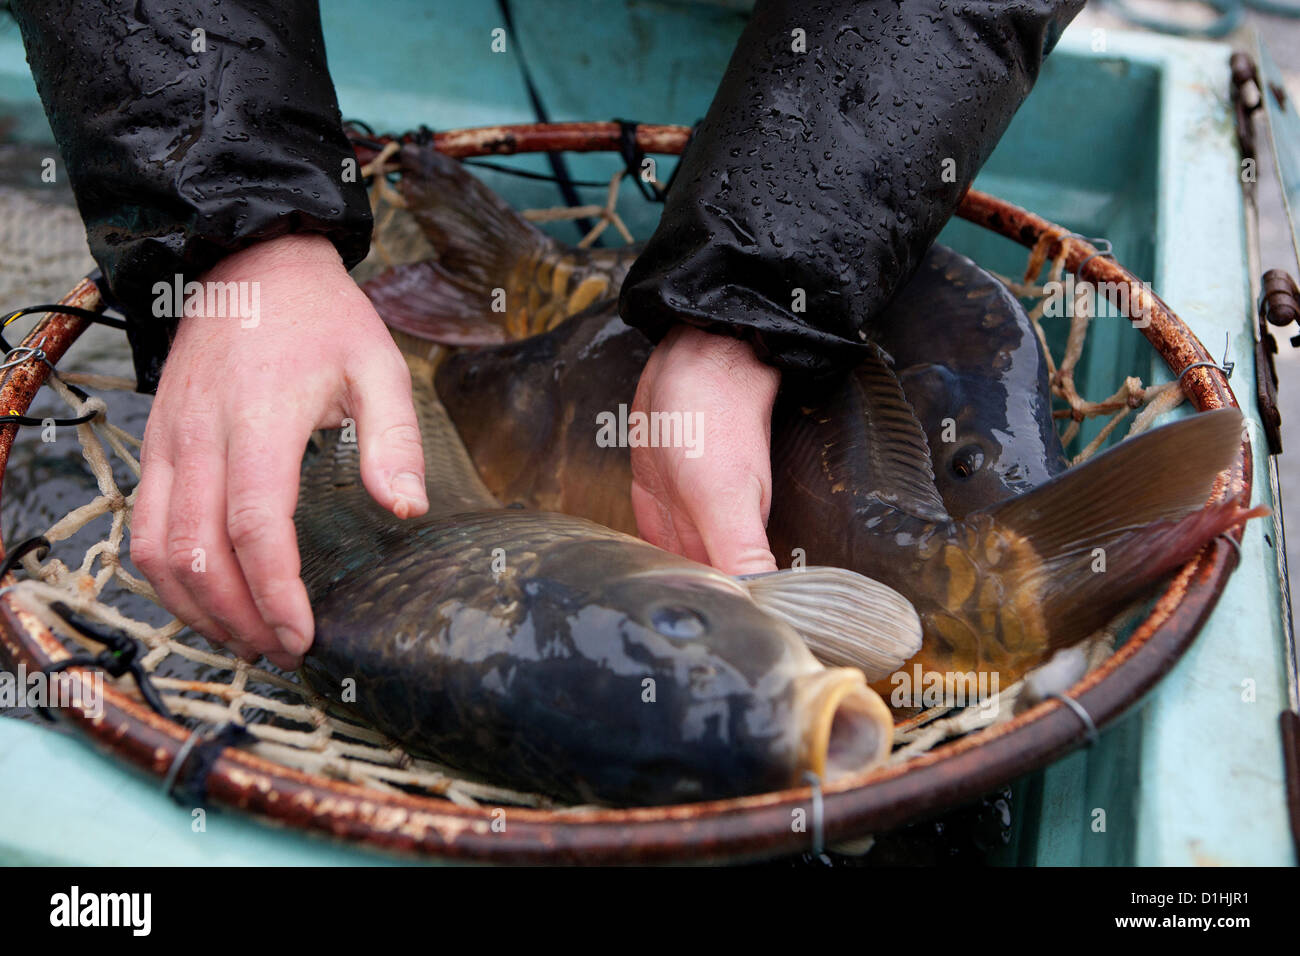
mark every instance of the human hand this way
{"type": "Point", "coordinates": [712, 508]}
{"type": "Point", "coordinates": [212, 527]}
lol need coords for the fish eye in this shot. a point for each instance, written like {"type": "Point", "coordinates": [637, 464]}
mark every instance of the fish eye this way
{"type": "Point", "coordinates": [678, 622]}
{"type": "Point", "coordinates": [966, 461]}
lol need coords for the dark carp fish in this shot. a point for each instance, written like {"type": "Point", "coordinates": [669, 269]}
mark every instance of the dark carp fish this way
{"type": "Point", "coordinates": [852, 486]}
{"type": "Point", "coordinates": [1002, 588]}
{"type": "Point", "coordinates": [975, 373]}
{"type": "Point", "coordinates": [963, 347]}
{"type": "Point", "coordinates": [999, 586]}
{"type": "Point", "coordinates": [552, 655]}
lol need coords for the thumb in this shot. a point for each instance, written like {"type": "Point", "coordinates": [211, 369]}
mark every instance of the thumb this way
{"type": "Point", "coordinates": [732, 529]}
{"type": "Point", "coordinates": [392, 457]}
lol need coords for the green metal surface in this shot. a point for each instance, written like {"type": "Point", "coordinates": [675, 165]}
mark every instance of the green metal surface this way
{"type": "Point", "coordinates": [61, 804]}
{"type": "Point", "coordinates": [1133, 142]}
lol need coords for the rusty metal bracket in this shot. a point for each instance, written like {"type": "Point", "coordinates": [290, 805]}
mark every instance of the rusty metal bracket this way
{"type": "Point", "coordinates": [1279, 306]}
{"type": "Point", "coordinates": [1246, 99]}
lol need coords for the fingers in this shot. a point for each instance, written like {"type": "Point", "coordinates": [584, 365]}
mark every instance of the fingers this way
{"type": "Point", "coordinates": [201, 554]}
{"type": "Point", "coordinates": [709, 502]}
{"type": "Point", "coordinates": [715, 517]}
{"type": "Point", "coordinates": [665, 527]}
{"type": "Point", "coordinates": [392, 458]}
{"type": "Point", "coordinates": [262, 466]}
{"type": "Point", "coordinates": [150, 554]}
{"type": "Point", "coordinates": [730, 522]}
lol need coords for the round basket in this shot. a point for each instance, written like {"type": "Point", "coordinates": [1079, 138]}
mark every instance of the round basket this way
{"type": "Point", "coordinates": [749, 827]}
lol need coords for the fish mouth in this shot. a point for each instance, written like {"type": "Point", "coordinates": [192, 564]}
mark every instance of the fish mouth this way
{"type": "Point", "coordinates": [847, 728]}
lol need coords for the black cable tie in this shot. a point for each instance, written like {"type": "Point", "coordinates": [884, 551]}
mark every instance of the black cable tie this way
{"type": "Point", "coordinates": [121, 655]}
{"type": "Point", "coordinates": [361, 125]}
{"type": "Point", "coordinates": [29, 420]}
{"type": "Point", "coordinates": [21, 550]}
{"type": "Point", "coordinates": [88, 314]}
{"type": "Point", "coordinates": [633, 156]}
{"type": "Point", "coordinates": [189, 787]}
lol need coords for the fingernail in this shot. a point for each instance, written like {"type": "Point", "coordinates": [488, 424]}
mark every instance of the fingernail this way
{"type": "Point", "coordinates": [291, 640]}
{"type": "Point", "coordinates": [753, 561]}
{"type": "Point", "coordinates": [408, 489]}
{"type": "Point", "coordinates": [286, 662]}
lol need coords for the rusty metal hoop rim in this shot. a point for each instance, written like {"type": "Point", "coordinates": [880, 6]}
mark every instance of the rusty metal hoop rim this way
{"type": "Point", "coordinates": [745, 827]}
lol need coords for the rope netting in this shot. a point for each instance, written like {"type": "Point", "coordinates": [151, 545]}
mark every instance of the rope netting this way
{"type": "Point", "coordinates": [295, 727]}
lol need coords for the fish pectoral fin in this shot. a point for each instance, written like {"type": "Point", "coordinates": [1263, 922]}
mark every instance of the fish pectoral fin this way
{"type": "Point", "coordinates": [844, 617]}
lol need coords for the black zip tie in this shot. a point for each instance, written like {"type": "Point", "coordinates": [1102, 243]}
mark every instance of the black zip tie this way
{"type": "Point", "coordinates": [35, 352]}
{"type": "Point", "coordinates": [28, 420]}
{"type": "Point", "coordinates": [121, 655]}
{"type": "Point", "coordinates": [633, 156]}
{"type": "Point", "coordinates": [361, 125]}
{"type": "Point", "coordinates": [1225, 366]}
{"type": "Point", "coordinates": [21, 550]}
{"type": "Point", "coordinates": [1079, 711]}
{"type": "Point", "coordinates": [87, 314]}
{"type": "Point", "coordinates": [190, 788]}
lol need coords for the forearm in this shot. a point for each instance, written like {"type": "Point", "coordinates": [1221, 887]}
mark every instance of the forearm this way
{"type": "Point", "coordinates": [182, 147]}
{"type": "Point", "coordinates": [819, 177]}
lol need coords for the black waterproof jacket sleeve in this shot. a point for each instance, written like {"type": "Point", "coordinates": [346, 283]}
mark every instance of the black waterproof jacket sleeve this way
{"type": "Point", "coordinates": [184, 146]}
{"type": "Point", "coordinates": [840, 141]}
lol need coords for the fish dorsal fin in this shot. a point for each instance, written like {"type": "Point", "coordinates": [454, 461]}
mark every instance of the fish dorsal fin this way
{"type": "Point", "coordinates": [475, 232]}
{"type": "Point", "coordinates": [898, 455]}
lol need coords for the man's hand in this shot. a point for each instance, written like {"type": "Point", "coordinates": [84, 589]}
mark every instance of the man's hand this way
{"type": "Point", "coordinates": [213, 523]}
{"type": "Point", "coordinates": [712, 508]}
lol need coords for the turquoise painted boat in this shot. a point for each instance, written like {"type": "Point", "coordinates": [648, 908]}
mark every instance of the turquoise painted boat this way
{"type": "Point", "coordinates": [1130, 139]}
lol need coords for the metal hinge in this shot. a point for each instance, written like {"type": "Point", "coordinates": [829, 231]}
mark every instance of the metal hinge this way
{"type": "Point", "coordinates": [1279, 300]}
{"type": "Point", "coordinates": [1279, 305]}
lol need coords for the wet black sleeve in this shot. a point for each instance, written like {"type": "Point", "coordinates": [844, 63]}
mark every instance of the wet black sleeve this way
{"type": "Point", "coordinates": [819, 169]}
{"type": "Point", "coordinates": [182, 146]}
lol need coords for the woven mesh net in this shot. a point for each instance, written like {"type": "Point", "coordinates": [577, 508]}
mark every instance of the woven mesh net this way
{"type": "Point", "coordinates": [206, 687]}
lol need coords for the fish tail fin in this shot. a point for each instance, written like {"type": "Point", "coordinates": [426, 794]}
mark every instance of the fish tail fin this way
{"type": "Point", "coordinates": [475, 232]}
{"type": "Point", "coordinates": [479, 241]}
{"type": "Point", "coordinates": [846, 619]}
{"type": "Point", "coordinates": [424, 300]}
{"type": "Point", "coordinates": [1103, 533]}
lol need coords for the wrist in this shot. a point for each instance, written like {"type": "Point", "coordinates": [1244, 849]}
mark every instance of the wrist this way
{"type": "Point", "coordinates": [308, 250]}
{"type": "Point", "coordinates": [733, 355]}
